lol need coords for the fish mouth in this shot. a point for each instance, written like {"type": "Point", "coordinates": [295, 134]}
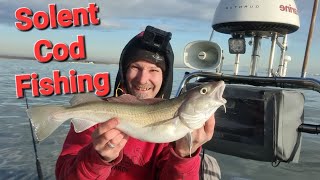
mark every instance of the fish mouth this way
{"type": "Point", "coordinates": [218, 92]}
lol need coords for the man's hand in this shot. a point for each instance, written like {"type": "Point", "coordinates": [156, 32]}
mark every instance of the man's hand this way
{"type": "Point", "coordinates": [108, 141]}
{"type": "Point", "coordinates": [199, 137]}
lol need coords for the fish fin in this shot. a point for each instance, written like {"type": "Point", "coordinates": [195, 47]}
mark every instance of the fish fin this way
{"type": "Point", "coordinates": [126, 98]}
{"type": "Point", "coordinates": [176, 120]}
{"type": "Point", "coordinates": [130, 99]}
{"type": "Point", "coordinates": [82, 124]}
{"type": "Point", "coordinates": [43, 120]}
{"type": "Point", "coordinates": [83, 98]}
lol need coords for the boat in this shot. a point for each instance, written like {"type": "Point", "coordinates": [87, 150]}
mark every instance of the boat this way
{"type": "Point", "coordinates": [265, 113]}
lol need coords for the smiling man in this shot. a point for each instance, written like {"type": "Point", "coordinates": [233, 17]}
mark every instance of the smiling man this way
{"type": "Point", "coordinates": [143, 79]}
{"type": "Point", "coordinates": [104, 152]}
{"type": "Point", "coordinates": [144, 73]}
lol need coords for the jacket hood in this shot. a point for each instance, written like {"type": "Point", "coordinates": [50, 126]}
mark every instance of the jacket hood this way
{"type": "Point", "coordinates": [136, 43]}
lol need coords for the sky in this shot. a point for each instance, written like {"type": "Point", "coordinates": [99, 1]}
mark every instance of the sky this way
{"type": "Point", "coordinates": [188, 20]}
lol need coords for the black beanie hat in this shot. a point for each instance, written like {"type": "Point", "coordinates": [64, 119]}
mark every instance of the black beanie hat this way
{"type": "Point", "coordinates": [136, 54]}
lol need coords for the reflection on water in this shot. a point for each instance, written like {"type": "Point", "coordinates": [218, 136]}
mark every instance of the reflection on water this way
{"type": "Point", "coordinates": [16, 150]}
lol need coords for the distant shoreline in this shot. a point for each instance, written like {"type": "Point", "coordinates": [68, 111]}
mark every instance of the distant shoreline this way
{"type": "Point", "coordinates": [98, 61]}
{"type": "Point", "coordinates": [70, 61]}
{"type": "Point", "coordinates": [17, 57]}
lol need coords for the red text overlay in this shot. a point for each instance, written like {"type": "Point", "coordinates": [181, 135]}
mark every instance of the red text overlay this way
{"type": "Point", "coordinates": [72, 84]}
{"type": "Point", "coordinates": [45, 51]}
{"type": "Point", "coordinates": [64, 18]}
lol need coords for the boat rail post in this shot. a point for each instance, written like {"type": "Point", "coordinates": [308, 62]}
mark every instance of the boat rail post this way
{"type": "Point", "coordinates": [283, 47]}
{"type": "Point", "coordinates": [271, 56]}
{"type": "Point", "coordinates": [236, 64]}
{"type": "Point", "coordinates": [255, 55]}
{"type": "Point", "coordinates": [219, 68]}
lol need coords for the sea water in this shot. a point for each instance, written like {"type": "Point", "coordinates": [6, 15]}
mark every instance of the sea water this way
{"type": "Point", "coordinates": [16, 146]}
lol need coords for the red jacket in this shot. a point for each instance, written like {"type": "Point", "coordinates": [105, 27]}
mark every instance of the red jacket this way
{"type": "Point", "coordinates": [138, 160]}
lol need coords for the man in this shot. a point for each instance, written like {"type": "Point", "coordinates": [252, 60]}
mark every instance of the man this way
{"type": "Point", "coordinates": [103, 152]}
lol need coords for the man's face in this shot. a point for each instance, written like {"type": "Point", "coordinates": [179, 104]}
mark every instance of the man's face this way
{"type": "Point", "coordinates": [144, 79]}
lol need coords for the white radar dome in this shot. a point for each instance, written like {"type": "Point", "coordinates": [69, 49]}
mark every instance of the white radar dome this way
{"type": "Point", "coordinates": [248, 16]}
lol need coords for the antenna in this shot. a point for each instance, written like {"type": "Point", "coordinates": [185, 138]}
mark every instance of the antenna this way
{"type": "Point", "coordinates": [258, 20]}
{"type": "Point", "coordinates": [306, 55]}
{"type": "Point", "coordinates": [211, 35]}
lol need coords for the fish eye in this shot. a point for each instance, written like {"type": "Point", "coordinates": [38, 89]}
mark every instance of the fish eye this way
{"type": "Point", "coordinates": [203, 91]}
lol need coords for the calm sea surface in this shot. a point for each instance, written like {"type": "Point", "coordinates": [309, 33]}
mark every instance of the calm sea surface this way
{"type": "Point", "coordinates": [16, 149]}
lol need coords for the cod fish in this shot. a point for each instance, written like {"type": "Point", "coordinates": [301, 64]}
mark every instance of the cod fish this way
{"type": "Point", "coordinates": [160, 122]}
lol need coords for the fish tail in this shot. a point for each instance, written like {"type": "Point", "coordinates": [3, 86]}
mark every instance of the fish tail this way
{"type": "Point", "coordinates": [43, 120]}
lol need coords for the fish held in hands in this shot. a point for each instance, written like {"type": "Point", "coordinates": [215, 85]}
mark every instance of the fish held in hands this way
{"type": "Point", "coordinates": [163, 121]}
